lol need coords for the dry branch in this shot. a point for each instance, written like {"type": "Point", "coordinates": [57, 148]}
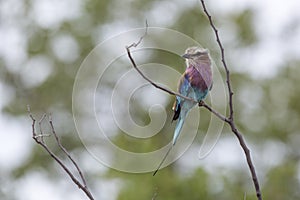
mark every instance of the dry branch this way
{"type": "Point", "coordinates": [39, 139]}
{"type": "Point", "coordinates": [230, 119]}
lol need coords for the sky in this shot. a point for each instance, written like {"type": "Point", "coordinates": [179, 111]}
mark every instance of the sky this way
{"type": "Point", "coordinates": [272, 18]}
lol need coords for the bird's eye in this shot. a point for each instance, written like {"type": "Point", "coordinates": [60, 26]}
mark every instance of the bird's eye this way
{"type": "Point", "coordinates": [197, 54]}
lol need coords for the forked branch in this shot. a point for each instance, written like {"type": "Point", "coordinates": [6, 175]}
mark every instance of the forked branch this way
{"type": "Point", "coordinates": [229, 120]}
{"type": "Point", "coordinates": [39, 139]}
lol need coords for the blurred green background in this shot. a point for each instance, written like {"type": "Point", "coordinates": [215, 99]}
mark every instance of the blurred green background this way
{"type": "Point", "coordinates": [45, 41]}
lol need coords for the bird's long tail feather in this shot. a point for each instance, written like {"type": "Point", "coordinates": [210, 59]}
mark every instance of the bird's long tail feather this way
{"type": "Point", "coordinates": [178, 128]}
{"type": "Point", "coordinates": [163, 160]}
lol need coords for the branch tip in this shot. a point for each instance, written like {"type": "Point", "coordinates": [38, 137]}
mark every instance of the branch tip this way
{"type": "Point", "coordinates": [38, 138]}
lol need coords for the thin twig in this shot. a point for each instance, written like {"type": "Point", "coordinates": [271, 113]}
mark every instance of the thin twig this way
{"type": "Point", "coordinates": [230, 92]}
{"type": "Point", "coordinates": [135, 44]}
{"type": "Point", "coordinates": [66, 152]}
{"type": "Point", "coordinates": [41, 142]}
{"type": "Point", "coordinates": [219, 115]}
{"type": "Point", "coordinates": [230, 118]}
{"type": "Point", "coordinates": [40, 126]}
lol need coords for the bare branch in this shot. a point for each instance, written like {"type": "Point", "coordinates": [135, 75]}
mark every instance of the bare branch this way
{"type": "Point", "coordinates": [219, 115]}
{"type": "Point", "coordinates": [141, 38]}
{"type": "Point", "coordinates": [40, 126]}
{"type": "Point", "coordinates": [161, 87]}
{"type": "Point", "coordinates": [230, 118]}
{"type": "Point", "coordinates": [222, 58]}
{"type": "Point", "coordinates": [66, 152]}
{"type": "Point", "coordinates": [39, 140]}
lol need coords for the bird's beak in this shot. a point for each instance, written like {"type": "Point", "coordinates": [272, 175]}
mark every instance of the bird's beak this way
{"type": "Point", "coordinates": [187, 56]}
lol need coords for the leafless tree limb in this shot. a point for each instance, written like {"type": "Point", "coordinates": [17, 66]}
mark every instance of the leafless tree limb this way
{"type": "Point", "coordinates": [39, 139]}
{"type": "Point", "coordinates": [202, 103]}
{"type": "Point", "coordinates": [230, 119]}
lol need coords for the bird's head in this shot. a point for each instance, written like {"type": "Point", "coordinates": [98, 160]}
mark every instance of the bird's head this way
{"type": "Point", "coordinates": [195, 52]}
{"type": "Point", "coordinates": [196, 56]}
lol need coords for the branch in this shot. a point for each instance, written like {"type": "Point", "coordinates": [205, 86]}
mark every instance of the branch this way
{"type": "Point", "coordinates": [144, 76]}
{"type": "Point", "coordinates": [66, 152]}
{"type": "Point", "coordinates": [230, 118]}
{"type": "Point", "coordinates": [39, 139]}
{"type": "Point", "coordinates": [217, 114]}
{"type": "Point", "coordinates": [202, 103]}
{"type": "Point", "coordinates": [222, 58]}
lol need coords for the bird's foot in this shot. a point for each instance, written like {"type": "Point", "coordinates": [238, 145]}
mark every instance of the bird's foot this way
{"type": "Point", "coordinates": [201, 103]}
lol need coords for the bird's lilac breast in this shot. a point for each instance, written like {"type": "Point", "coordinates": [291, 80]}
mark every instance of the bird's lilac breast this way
{"type": "Point", "coordinates": [199, 77]}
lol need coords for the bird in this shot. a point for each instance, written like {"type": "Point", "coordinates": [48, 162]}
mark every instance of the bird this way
{"type": "Point", "coordinates": [194, 83]}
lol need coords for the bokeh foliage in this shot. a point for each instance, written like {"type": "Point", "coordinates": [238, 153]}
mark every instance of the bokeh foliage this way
{"type": "Point", "coordinates": [267, 110]}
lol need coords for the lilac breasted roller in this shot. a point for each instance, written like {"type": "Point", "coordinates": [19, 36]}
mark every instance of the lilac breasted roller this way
{"type": "Point", "coordinates": [195, 83]}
